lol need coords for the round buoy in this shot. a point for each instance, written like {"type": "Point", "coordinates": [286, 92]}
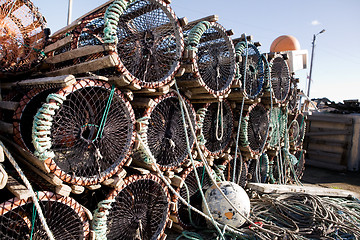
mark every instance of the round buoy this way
{"type": "Point", "coordinates": [221, 209]}
{"type": "Point", "coordinates": [285, 43]}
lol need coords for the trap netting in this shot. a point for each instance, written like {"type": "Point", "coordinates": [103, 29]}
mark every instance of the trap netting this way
{"type": "Point", "coordinates": [241, 170]}
{"type": "Point", "coordinates": [293, 96]}
{"type": "Point", "coordinates": [297, 130]}
{"type": "Point", "coordinates": [22, 36]}
{"type": "Point", "coordinates": [139, 209]}
{"type": "Point", "coordinates": [259, 169]}
{"type": "Point", "coordinates": [254, 128]}
{"type": "Point", "coordinates": [149, 42]}
{"type": "Point", "coordinates": [217, 126]}
{"type": "Point", "coordinates": [84, 132]}
{"type": "Point", "coordinates": [215, 58]}
{"type": "Point", "coordinates": [299, 166]}
{"type": "Point", "coordinates": [165, 134]}
{"type": "Point", "coordinates": [191, 193]}
{"type": "Point", "coordinates": [280, 78]}
{"type": "Point", "coordinates": [251, 69]}
{"type": "Point", "coordinates": [278, 126]}
{"type": "Point", "coordinates": [65, 217]}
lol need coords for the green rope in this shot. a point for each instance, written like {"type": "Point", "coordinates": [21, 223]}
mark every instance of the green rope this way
{"type": "Point", "coordinates": [105, 114]}
{"type": "Point", "coordinates": [195, 34]}
{"type": "Point", "coordinates": [33, 218]}
{"type": "Point", "coordinates": [201, 113]}
{"type": "Point", "coordinates": [142, 133]}
{"type": "Point", "coordinates": [190, 235]}
{"type": "Point", "coordinates": [99, 224]}
{"type": "Point", "coordinates": [111, 18]}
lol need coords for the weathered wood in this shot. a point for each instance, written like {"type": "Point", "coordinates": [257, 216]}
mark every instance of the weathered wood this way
{"type": "Point", "coordinates": [118, 182]}
{"type": "Point", "coordinates": [313, 190]}
{"type": "Point", "coordinates": [58, 44]}
{"type": "Point", "coordinates": [143, 102]}
{"type": "Point", "coordinates": [142, 164]}
{"type": "Point", "coordinates": [63, 190]}
{"type": "Point", "coordinates": [325, 164]}
{"type": "Point", "coordinates": [211, 18]}
{"type": "Point", "coordinates": [180, 72]}
{"type": "Point", "coordinates": [199, 90]}
{"type": "Point", "coordinates": [188, 83]}
{"type": "Point", "coordinates": [332, 119]}
{"type": "Point", "coordinates": [6, 127]}
{"type": "Point", "coordinates": [12, 106]}
{"type": "Point", "coordinates": [140, 171]}
{"type": "Point", "coordinates": [79, 52]}
{"type": "Point", "coordinates": [19, 190]}
{"type": "Point", "coordinates": [174, 218]}
{"type": "Point", "coordinates": [94, 187]}
{"type": "Point", "coordinates": [178, 170]}
{"type": "Point", "coordinates": [329, 133]}
{"type": "Point", "coordinates": [173, 207]}
{"type": "Point", "coordinates": [177, 181]}
{"type": "Point", "coordinates": [76, 189]}
{"type": "Point", "coordinates": [93, 65]}
{"type": "Point", "coordinates": [169, 174]}
{"type": "Point", "coordinates": [61, 81]}
{"type": "Point", "coordinates": [3, 177]}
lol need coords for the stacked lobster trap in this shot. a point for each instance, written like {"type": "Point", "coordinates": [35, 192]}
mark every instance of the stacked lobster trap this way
{"type": "Point", "coordinates": [125, 108]}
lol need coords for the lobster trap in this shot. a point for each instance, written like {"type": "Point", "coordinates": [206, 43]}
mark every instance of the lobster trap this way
{"type": "Point", "coordinates": [84, 132]}
{"type": "Point", "coordinates": [209, 62]}
{"type": "Point", "coordinates": [66, 218]}
{"type": "Point", "coordinates": [163, 132]}
{"type": "Point", "coordinates": [22, 36]}
{"type": "Point", "coordinates": [139, 209]}
{"type": "Point", "coordinates": [136, 42]}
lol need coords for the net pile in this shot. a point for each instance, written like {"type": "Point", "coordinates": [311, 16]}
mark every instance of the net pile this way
{"type": "Point", "coordinates": [22, 36]}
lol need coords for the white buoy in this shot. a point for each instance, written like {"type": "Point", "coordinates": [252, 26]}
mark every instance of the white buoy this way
{"type": "Point", "coordinates": [221, 209]}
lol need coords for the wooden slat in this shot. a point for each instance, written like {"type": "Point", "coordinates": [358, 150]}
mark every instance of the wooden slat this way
{"type": "Point", "coordinates": [327, 165]}
{"type": "Point", "coordinates": [93, 65]}
{"type": "Point", "coordinates": [143, 102]}
{"type": "Point", "coordinates": [330, 118]}
{"type": "Point", "coordinates": [6, 127]}
{"type": "Point", "coordinates": [12, 106]}
{"type": "Point", "coordinates": [329, 133]}
{"type": "Point", "coordinates": [58, 44]}
{"type": "Point", "coordinates": [79, 52]}
{"type": "Point", "coordinates": [19, 190]}
{"type": "Point", "coordinates": [314, 190]}
{"type": "Point", "coordinates": [211, 18]}
{"type": "Point", "coordinates": [62, 80]}
{"type": "Point", "coordinates": [63, 190]}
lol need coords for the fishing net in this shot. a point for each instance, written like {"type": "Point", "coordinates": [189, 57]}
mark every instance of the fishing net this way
{"type": "Point", "coordinates": [278, 126]}
{"type": "Point", "coordinates": [137, 210]}
{"type": "Point", "coordinates": [259, 169]}
{"type": "Point", "coordinates": [22, 36]}
{"type": "Point", "coordinates": [280, 78]}
{"type": "Point", "coordinates": [84, 132]}
{"type": "Point", "coordinates": [254, 128]}
{"type": "Point", "coordinates": [217, 127]}
{"type": "Point", "coordinates": [299, 167]}
{"type": "Point", "coordinates": [241, 171]}
{"type": "Point", "coordinates": [215, 60]}
{"type": "Point", "coordinates": [64, 216]}
{"type": "Point", "coordinates": [293, 97]}
{"type": "Point", "coordinates": [165, 135]}
{"type": "Point", "coordinates": [252, 74]}
{"type": "Point", "coordinates": [191, 193]}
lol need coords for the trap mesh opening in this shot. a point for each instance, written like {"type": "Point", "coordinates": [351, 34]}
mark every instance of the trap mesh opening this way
{"type": "Point", "coordinates": [280, 78]}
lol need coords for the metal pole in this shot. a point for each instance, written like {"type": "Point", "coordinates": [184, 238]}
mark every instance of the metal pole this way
{"type": "Point", "coordinates": [69, 12]}
{"type": "Point", "coordinates": [311, 65]}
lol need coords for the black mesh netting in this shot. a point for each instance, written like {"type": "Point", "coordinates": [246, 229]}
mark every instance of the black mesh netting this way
{"type": "Point", "coordinates": [22, 36]}
{"type": "Point", "coordinates": [149, 41]}
{"type": "Point", "coordinates": [224, 121]}
{"type": "Point", "coordinates": [216, 58]}
{"type": "Point", "coordinates": [241, 171]}
{"type": "Point", "coordinates": [280, 78]}
{"type": "Point", "coordinates": [254, 71]}
{"type": "Point", "coordinates": [65, 218]}
{"type": "Point", "coordinates": [166, 135]}
{"type": "Point", "coordinates": [299, 167]}
{"type": "Point", "coordinates": [259, 169]}
{"type": "Point", "coordinates": [140, 211]}
{"type": "Point", "coordinates": [293, 97]}
{"type": "Point", "coordinates": [80, 147]}
{"type": "Point", "coordinates": [92, 32]}
{"type": "Point", "coordinates": [257, 127]}
{"type": "Point", "coordinates": [193, 194]}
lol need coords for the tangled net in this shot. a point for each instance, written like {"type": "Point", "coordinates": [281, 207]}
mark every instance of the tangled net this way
{"type": "Point", "coordinates": [22, 36]}
{"type": "Point", "coordinates": [64, 216]}
{"type": "Point", "coordinates": [137, 210]}
{"type": "Point", "coordinates": [84, 132]}
{"type": "Point", "coordinates": [165, 135]}
{"type": "Point", "coordinates": [217, 127]}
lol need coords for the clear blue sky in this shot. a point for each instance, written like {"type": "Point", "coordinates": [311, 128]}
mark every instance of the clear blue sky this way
{"type": "Point", "coordinates": [336, 61]}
